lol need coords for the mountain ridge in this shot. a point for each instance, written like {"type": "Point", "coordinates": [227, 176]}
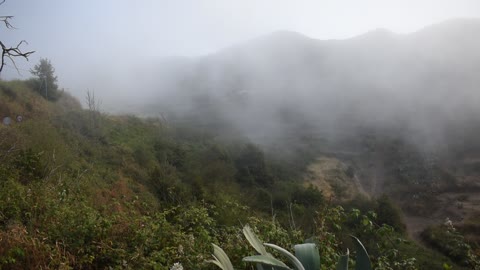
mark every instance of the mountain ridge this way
{"type": "Point", "coordinates": [453, 25]}
{"type": "Point", "coordinates": [379, 80]}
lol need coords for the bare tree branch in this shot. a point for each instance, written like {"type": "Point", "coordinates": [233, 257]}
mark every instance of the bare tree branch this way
{"type": "Point", "coordinates": [5, 19]}
{"type": "Point", "coordinates": [11, 52]}
{"type": "Point", "coordinates": [92, 103]}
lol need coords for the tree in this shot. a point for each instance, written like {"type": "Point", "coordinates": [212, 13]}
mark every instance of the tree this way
{"type": "Point", "coordinates": [46, 81]}
{"type": "Point", "coordinates": [9, 51]}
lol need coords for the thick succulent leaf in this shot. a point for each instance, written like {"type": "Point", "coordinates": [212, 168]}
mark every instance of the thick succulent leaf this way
{"type": "Point", "coordinates": [308, 255]}
{"type": "Point", "coordinates": [362, 261]}
{"type": "Point", "coordinates": [216, 262]}
{"type": "Point", "coordinates": [343, 261]}
{"type": "Point", "coordinates": [296, 263]}
{"type": "Point", "coordinates": [254, 241]}
{"type": "Point", "coordinates": [266, 261]}
{"type": "Point", "coordinates": [221, 259]}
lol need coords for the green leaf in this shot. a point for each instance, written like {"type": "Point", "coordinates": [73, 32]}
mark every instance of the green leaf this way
{"type": "Point", "coordinates": [343, 261]}
{"type": "Point", "coordinates": [308, 255]}
{"type": "Point", "coordinates": [362, 259]}
{"type": "Point", "coordinates": [221, 259]}
{"type": "Point", "coordinates": [216, 262]}
{"type": "Point", "coordinates": [365, 221]}
{"type": "Point", "coordinates": [254, 241]}
{"type": "Point", "coordinates": [266, 260]}
{"type": "Point", "coordinates": [296, 263]}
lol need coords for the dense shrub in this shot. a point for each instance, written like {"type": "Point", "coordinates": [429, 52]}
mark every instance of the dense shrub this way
{"type": "Point", "coordinates": [448, 240]}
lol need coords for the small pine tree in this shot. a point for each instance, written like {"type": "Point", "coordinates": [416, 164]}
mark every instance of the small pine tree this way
{"type": "Point", "coordinates": [46, 81]}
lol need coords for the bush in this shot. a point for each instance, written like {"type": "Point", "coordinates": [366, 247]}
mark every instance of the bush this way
{"type": "Point", "coordinates": [449, 241]}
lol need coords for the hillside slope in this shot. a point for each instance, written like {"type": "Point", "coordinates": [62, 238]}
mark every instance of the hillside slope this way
{"type": "Point", "coordinates": [422, 85]}
{"type": "Point", "coordinates": [84, 190]}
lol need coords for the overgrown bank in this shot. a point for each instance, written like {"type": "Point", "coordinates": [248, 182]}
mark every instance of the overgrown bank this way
{"type": "Point", "coordinates": [83, 190]}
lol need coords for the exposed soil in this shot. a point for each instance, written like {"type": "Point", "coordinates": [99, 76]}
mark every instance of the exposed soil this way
{"type": "Point", "coordinates": [330, 175]}
{"type": "Point", "coordinates": [369, 179]}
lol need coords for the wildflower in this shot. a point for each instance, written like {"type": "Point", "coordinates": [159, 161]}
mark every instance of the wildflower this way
{"type": "Point", "coordinates": [449, 224]}
{"type": "Point", "coordinates": [177, 266]}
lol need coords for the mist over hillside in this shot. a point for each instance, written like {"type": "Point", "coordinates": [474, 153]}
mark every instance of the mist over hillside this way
{"type": "Point", "coordinates": [421, 85]}
{"type": "Point", "coordinates": [153, 135]}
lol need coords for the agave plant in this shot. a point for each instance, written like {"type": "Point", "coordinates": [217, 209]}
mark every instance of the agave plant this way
{"type": "Point", "coordinates": [306, 256]}
{"type": "Point", "coordinates": [220, 258]}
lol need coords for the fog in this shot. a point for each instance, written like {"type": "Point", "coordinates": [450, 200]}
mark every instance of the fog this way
{"type": "Point", "coordinates": [421, 86]}
{"type": "Point", "coordinates": [267, 69]}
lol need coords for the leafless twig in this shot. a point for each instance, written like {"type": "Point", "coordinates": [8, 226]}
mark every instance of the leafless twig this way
{"type": "Point", "coordinates": [11, 52]}
{"type": "Point", "coordinates": [7, 23]}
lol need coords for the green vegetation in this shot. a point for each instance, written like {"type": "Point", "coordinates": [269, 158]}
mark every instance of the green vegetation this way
{"type": "Point", "coordinates": [84, 190]}
{"type": "Point", "coordinates": [46, 81]}
{"type": "Point", "coordinates": [448, 240]}
{"type": "Point", "coordinates": [306, 256]}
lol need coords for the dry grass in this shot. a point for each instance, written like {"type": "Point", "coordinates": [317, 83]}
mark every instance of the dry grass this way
{"type": "Point", "coordinates": [330, 177]}
{"type": "Point", "coordinates": [21, 250]}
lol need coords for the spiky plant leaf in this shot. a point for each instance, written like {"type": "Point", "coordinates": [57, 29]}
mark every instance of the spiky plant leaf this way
{"type": "Point", "coordinates": [254, 241]}
{"type": "Point", "coordinates": [362, 259]}
{"type": "Point", "coordinates": [308, 255]}
{"type": "Point", "coordinates": [296, 263]}
{"type": "Point", "coordinates": [265, 260]}
{"type": "Point", "coordinates": [343, 261]}
{"type": "Point", "coordinates": [221, 259]}
{"type": "Point", "coordinates": [216, 262]}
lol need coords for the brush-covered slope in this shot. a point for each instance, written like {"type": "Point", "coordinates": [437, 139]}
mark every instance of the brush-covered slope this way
{"type": "Point", "coordinates": [83, 190]}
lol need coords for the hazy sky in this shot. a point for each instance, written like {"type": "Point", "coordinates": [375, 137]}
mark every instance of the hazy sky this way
{"type": "Point", "coordinates": [85, 39]}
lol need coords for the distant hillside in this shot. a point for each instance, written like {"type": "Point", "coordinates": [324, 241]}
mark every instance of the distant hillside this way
{"type": "Point", "coordinates": [423, 84]}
